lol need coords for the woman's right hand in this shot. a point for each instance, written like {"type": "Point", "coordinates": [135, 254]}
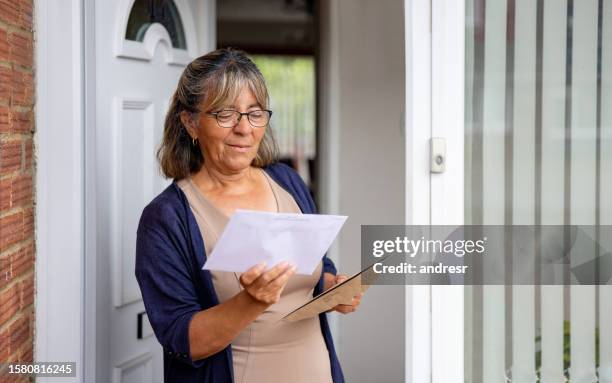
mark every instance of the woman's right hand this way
{"type": "Point", "coordinates": [213, 329]}
{"type": "Point", "coordinates": [266, 286]}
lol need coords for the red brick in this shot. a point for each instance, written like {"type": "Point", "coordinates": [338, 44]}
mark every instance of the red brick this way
{"type": "Point", "coordinates": [28, 223]}
{"type": "Point", "coordinates": [22, 88]}
{"type": "Point", "coordinates": [28, 153]}
{"type": "Point", "coordinates": [20, 49]}
{"type": "Point", "coordinates": [27, 353]}
{"type": "Point", "coordinates": [25, 14]}
{"type": "Point", "coordinates": [5, 271]}
{"type": "Point", "coordinates": [6, 79]}
{"type": "Point", "coordinates": [18, 264]}
{"type": "Point", "coordinates": [5, 119]}
{"type": "Point", "coordinates": [21, 122]}
{"type": "Point", "coordinates": [16, 116]}
{"type": "Point", "coordinates": [5, 194]}
{"type": "Point", "coordinates": [11, 230]}
{"type": "Point", "coordinates": [4, 344]}
{"type": "Point", "coordinates": [20, 331]}
{"type": "Point", "coordinates": [21, 190]}
{"type": "Point", "coordinates": [5, 377]}
{"type": "Point", "coordinates": [28, 82]}
{"type": "Point", "coordinates": [10, 156]}
{"type": "Point", "coordinates": [22, 261]}
{"type": "Point", "coordinates": [4, 45]}
{"type": "Point", "coordinates": [9, 303]}
{"type": "Point", "coordinates": [26, 290]}
{"type": "Point", "coordinates": [9, 12]}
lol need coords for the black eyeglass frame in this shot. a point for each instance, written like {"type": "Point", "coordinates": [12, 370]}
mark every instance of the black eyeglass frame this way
{"type": "Point", "coordinates": [215, 114]}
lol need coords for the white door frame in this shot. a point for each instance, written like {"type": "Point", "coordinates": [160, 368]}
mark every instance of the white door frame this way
{"type": "Point", "coordinates": [60, 175]}
{"type": "Point", "coordinates": [434, 48]}
{"type": "Point", "coordinates": [417, 14]}
{"type": "Point", "coordinates": [447, 189]}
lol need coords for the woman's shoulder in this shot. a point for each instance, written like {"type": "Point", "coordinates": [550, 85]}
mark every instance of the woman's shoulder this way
{"type": "Point", "coordinates": [166, 207]}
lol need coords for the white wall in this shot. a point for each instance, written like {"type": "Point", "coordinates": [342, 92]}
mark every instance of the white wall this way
{"type": "Point", "coordinates": [362, 167]}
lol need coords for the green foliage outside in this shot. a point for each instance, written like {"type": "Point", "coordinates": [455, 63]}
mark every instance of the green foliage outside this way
{"type": "Point", "coordinates": [291, 84]}
{"type": "Point", "coordinates": [566, 348]}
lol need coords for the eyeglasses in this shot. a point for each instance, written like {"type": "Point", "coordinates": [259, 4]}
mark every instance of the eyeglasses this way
{"type": "Point", "coordinates": [230, 118]}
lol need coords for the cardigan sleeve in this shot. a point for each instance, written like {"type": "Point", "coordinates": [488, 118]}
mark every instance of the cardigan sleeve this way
{"type": "Point", "coordinates": [165, 280]}
{"type": "Point", "coordinates": [328, 265]}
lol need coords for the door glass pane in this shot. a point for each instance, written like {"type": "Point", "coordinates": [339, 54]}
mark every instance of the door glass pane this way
{"type": "Point", "coordinates": [146, 12]}
{"type": "Point", "coordinates": [538, 151]}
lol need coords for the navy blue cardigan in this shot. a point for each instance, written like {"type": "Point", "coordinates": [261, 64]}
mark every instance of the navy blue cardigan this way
{"type": "Point", "coordinates": [169, 258]}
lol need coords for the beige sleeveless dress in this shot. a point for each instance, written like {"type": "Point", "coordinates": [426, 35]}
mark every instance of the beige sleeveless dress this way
{"type": "Point", "coordinates": [268, 350]}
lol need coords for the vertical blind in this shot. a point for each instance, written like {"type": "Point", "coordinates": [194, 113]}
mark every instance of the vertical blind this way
{"type": "Point", "coordinates": [539, 151]}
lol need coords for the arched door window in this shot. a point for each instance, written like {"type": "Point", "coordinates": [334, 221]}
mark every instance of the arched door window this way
{"type": "Point", "coordinates": [146, 12]}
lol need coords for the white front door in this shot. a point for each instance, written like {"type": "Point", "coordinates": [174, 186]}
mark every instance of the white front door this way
{"type": "Point", "coordinates": [141, 48]}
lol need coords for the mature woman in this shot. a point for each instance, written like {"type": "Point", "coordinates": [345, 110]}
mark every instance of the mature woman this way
{"type": "Point", "coordinates": [224, 326]}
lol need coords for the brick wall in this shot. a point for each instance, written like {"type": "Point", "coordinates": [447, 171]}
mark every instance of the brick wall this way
{"type": "Point", "coordinates": [17, 170]}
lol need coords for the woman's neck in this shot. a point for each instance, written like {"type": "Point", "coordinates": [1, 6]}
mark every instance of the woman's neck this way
{"type": "Point", "coordinates": [214, 180]}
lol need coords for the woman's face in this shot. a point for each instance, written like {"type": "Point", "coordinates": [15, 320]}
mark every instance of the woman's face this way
{"type": "Point", "coordinates": [231, 149]}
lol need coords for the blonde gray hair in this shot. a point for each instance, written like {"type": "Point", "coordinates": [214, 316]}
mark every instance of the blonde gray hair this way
{"type": "Point", "coordinates": [210, 81]}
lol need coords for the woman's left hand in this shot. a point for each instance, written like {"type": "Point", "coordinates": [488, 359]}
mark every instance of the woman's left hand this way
{"type": "Point", "coordinates": [332, 280]}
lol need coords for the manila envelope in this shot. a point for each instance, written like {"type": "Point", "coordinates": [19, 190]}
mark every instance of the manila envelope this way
{"type": "Point", "coordinates": [341, 293]}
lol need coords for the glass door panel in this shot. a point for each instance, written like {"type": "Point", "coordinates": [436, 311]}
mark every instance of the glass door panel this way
{"type": "Point", "coordinates": [538, 150]}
